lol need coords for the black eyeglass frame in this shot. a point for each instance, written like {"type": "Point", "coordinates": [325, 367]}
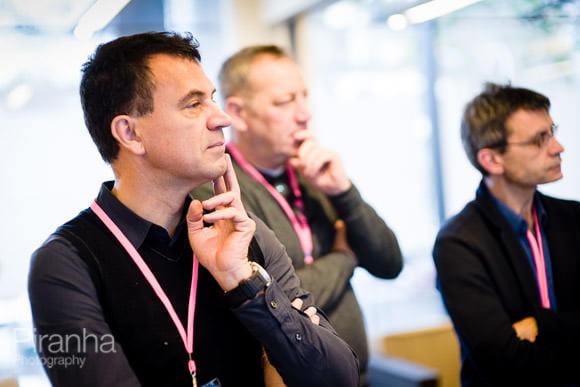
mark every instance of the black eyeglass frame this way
{"type": "Point", "coordinates": [539, 140]}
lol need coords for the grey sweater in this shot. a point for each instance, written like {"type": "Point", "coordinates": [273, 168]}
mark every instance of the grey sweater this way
{"type": "Point", "coordinates": [328, 278]}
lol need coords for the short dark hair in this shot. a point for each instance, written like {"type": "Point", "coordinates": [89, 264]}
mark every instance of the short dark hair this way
{"type": "Point", "coordinates": [233, 75]}
{"type": "Point", "coordinates": [117, 80]}
{"type": "Point", "coordinates": [484, 117]}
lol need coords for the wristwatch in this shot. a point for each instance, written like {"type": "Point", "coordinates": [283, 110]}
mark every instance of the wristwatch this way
{"type": "Point", "coordinates": [248, 288]}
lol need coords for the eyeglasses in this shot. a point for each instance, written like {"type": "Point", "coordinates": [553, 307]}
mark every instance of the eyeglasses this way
{"type": "Point", "coordinates": [540, 140]}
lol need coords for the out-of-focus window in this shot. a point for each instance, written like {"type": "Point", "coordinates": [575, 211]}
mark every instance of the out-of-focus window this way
{"type": "Point", "coordinates": [370, 95]}
{"type": "Point", "coordinates": [367, 90]}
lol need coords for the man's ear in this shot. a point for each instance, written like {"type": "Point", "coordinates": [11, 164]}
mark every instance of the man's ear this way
{"type": "Point", "coordinates": [491, 160]}
{"type": "Point", "coordinates": [235, 107]}
{"type": "Point", "coordinates": [123, 130]}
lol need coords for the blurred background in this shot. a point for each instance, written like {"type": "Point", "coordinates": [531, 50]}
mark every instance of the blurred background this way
{"type": "Point", "coordinates": [387, 88]}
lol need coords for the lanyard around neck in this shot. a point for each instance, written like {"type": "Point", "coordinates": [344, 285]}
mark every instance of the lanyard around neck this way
{"type": "Point", "coordinates": [186, 337]}
{"type": "Point", "coordinates": [536, 244]}
{"type": "Point", "coordinates": [297, 219]}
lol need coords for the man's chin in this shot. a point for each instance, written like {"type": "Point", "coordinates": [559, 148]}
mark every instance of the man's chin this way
{"type": "Point", "coordinates": [219, 169]}
{"type": "Point", "coordinates": [553, 178]}
{"type": "Point", "coordinates": [211, 173]}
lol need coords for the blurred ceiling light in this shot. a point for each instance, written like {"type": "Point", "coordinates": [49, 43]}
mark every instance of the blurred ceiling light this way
{"type": "Point", "coordinates": [19, 96]}
{"type": "Point", "coordinates": [97, 17]}
{"type": "Point", "coordinates": [397, 22]}
{"type": "Point", "coordinates": [427, 11]}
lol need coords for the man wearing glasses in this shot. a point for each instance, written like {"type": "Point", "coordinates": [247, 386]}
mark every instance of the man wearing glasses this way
{"type": "Point", "coordinates": [508, 264]}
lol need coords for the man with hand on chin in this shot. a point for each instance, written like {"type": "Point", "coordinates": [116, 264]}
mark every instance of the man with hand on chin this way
{"type": "Point", "coordinates": [300, 189]}
{"type": "Point", "coordinates": [189, 291]}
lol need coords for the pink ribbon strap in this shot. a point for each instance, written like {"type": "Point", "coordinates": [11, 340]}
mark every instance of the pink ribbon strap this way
{"type": "Point", "coordinates": [298, 220]}
{"type": "Point", "coordinates": [186, 337]}
{"type": "Point", "coordinates": [538, 253]}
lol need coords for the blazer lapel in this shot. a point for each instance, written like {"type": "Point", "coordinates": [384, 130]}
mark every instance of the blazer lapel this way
{"type": "Point", "coordinates": [515, 254]}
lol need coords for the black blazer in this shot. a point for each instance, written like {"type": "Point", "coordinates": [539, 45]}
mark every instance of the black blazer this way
{"type": "Point", "coordinates": [487, 284]}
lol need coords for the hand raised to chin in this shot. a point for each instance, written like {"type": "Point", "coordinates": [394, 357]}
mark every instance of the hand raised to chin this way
{"type": "Point", "coordinates": [222, 247]}
{"type": "Point", "coordinates": [321, 167]}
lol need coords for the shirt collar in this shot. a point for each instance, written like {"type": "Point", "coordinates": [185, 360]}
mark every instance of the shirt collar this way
{"type": "Point", "coordinates": [133, 226]}
{"type": "Point", "coordinates": [517, 222]}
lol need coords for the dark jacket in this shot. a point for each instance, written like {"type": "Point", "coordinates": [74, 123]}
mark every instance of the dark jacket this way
{"type": "Point", "coordinates": [487, 284]}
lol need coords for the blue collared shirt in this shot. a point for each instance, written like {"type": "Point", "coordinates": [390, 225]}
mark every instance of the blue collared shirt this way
{"type": "Point", "coordinates": [520, 226]}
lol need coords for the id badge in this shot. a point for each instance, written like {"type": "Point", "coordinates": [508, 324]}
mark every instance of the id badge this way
{"type": "Point", "coordinates": [215, 382]}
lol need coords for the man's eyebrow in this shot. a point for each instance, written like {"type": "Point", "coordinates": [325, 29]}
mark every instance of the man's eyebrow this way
{"type": "Point", "coordinates": [193, 94]}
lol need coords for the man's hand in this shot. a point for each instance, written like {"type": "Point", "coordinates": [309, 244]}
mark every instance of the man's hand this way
{"type": "Point", "coordinates": [526, 329]}
{"type": "Point", "coordinates": [310, 311]}
{"type": "Point", "coordinates": [222, 248]}
{"type": "Point", "coordinates": [340, 241]}
{"type": "Point", "coordinates": [321, 167]}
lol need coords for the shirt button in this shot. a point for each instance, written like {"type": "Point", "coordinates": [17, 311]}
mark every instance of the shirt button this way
{"type": "Point", "coordinates": [298, 336]}
{"type": "Point", "coordinates": [273, 304]}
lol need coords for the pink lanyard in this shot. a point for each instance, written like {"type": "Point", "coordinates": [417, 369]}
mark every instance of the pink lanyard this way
{"type": "Point", "coordinates": [538, 253]}
{"type": "Point", "coordinates": [298, 220]}
{"type": "Point", "coordinates": [187, 338]}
